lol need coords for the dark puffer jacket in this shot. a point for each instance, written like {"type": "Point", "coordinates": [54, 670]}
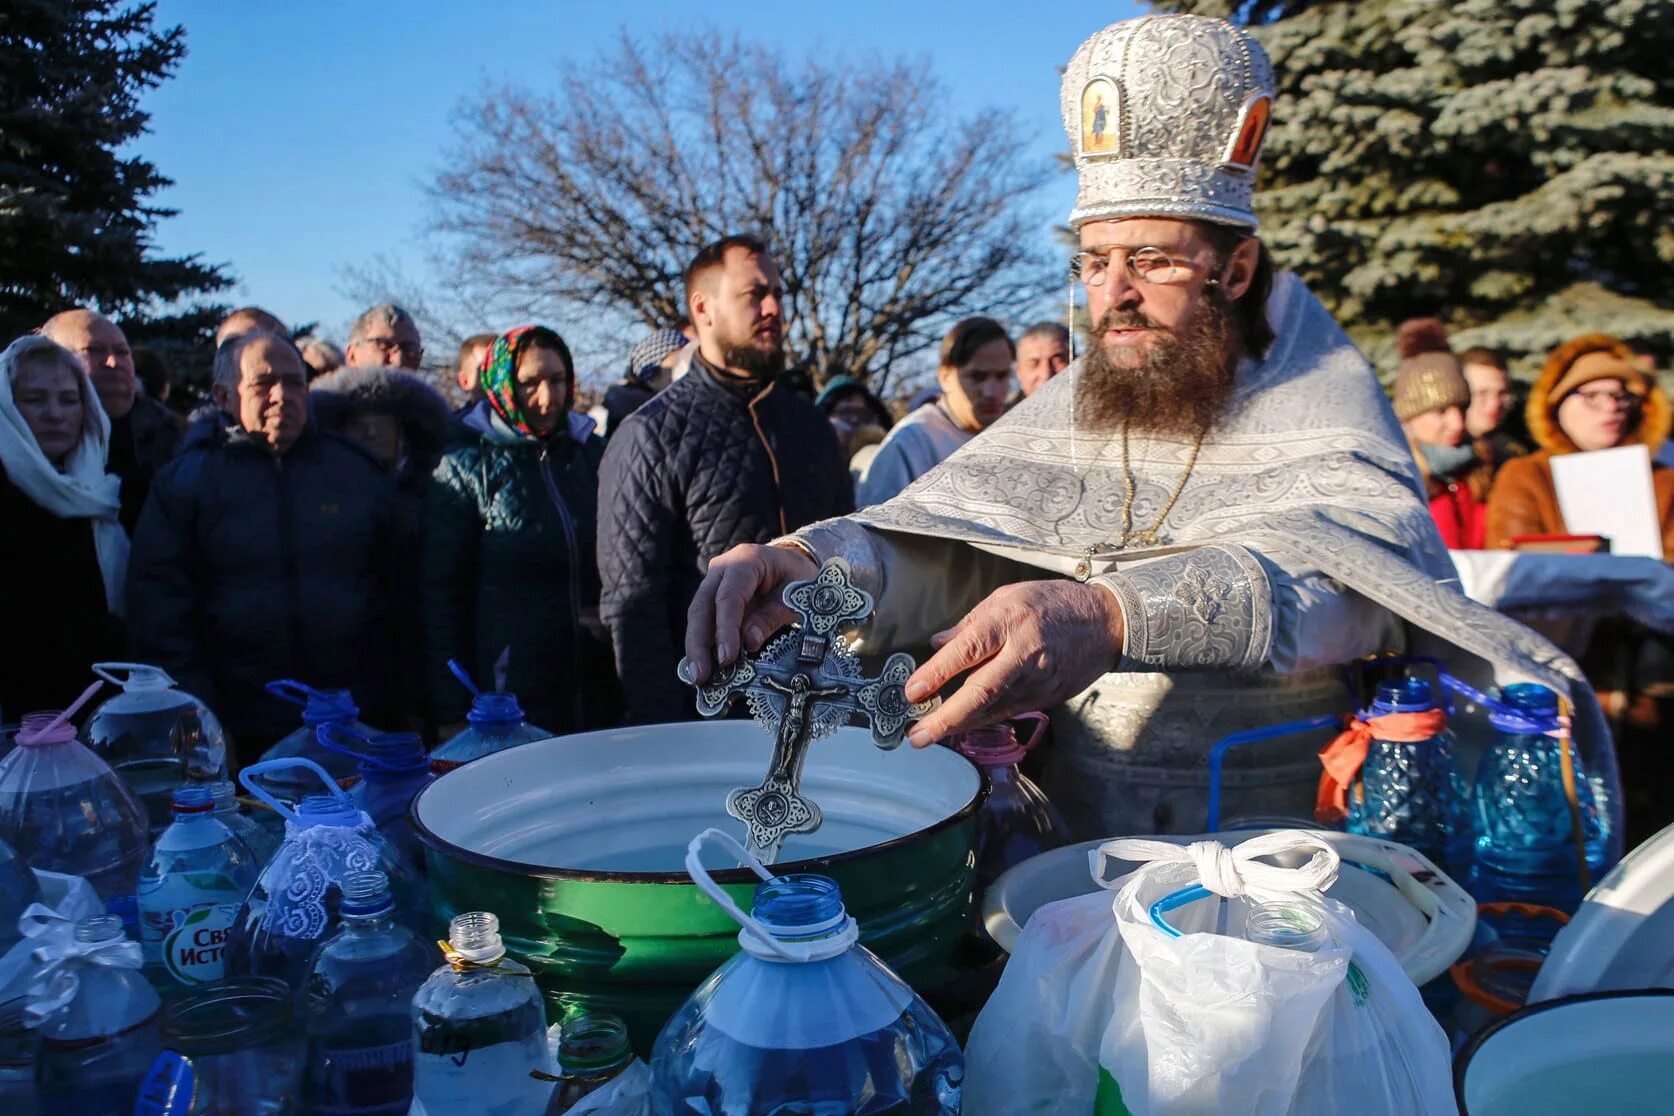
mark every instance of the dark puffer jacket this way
{"type": "Point", "coordinates": [507, 562]}
{"type": "Point", "coordinates": [704, 466]}
{"type": "Point", "coordinates": [249, 567]}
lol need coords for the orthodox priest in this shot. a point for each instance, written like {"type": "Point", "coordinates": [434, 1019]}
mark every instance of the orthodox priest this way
{"type": "Point", "coordinates": [1192, 530]}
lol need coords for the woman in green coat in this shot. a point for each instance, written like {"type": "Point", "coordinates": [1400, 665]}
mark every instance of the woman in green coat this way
{"type": "Point", "coordinates": [509, 581]}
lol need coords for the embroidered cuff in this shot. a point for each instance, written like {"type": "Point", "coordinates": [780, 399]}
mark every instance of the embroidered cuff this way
{"type": "Point", "coordinates": [842, 538]}
{"type": "Point", "coordinates": [1207, 609]}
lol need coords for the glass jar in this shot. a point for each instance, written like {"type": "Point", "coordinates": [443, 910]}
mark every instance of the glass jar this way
{"type": "Point", "coordinates": [244, 1044]}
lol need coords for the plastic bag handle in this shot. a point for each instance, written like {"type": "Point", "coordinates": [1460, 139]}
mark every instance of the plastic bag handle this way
{"type": "Point", "coordinates": [706, 884]}
{"type": "Point", "coordinates": [286, 764]}
{"type": "Point", "coordinates": [103, 670]}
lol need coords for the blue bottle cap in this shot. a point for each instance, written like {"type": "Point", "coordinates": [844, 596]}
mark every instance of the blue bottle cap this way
{"type": "Point", "coordinates": [192, 800]}
{"type": "Point", "coordinates": [1408, 695]}
{"type": "Point", "coordinates": [495, 708]}
{"type": "Point", "coordinates": [1530, 697]}
{"type": "Point", "coordinates": [326, 809]}
{"type": "Point", "coordinates": [800, 907]}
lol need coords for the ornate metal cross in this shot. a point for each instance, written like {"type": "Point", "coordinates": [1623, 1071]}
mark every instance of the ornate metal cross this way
{"type": "Point", "coordinates": [803, 684]}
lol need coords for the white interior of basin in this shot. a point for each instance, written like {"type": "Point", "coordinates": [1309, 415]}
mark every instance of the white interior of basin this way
{"type": "Point", "coordinates": [629, 800]}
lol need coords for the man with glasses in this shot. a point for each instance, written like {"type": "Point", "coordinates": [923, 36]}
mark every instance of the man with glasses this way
{"type": "Point", "coordinates": [385, 335]}
{"type": "Point", "coordinates": [144, 434]}
{"type": "Point", "coordinates": [1188, 533]}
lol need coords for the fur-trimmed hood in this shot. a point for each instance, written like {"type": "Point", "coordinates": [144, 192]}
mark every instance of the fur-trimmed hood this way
{"type": "Point", "coordinates": [419, 408]}
{"type": "Point", "coordinates": [1542, 411]}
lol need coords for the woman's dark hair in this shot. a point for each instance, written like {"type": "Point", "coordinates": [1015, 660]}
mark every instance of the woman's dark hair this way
{"type": "Point", "coordinates": [1249, 312]}
{"type": "Point", "coordinates": [540, 337]}
{"type": "Point", "coordinates": [152, 371]}
{"type": "Point", "coordinates": [965, 338]}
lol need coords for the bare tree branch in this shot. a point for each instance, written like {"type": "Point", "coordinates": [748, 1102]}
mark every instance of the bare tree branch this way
{"type": "Point", "coordinates": [889, 215]}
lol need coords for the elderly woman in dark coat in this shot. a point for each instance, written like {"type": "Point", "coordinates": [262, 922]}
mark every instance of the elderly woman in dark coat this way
{"type": "Point", "coordinates": [402, 423]}
{"type": "Point", "coordinates": [508, 560]}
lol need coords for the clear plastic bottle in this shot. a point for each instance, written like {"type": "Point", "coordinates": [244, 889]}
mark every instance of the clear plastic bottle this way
{"type": "Point", "coordinates": [97, 1047]}
{"type": "Point", "coordinates": [804, 1019]}
{"type": "Point", "coordinates": [1525, 842]}
{"type": "Point", "coordinates": [262, 840]}
{"type": "Point", "coordinates": [295, 903]}
{"type": "Point", "coordinates": [1016, 821]}
{"type": "Point", "coordinates": [64, 810]}
{"type": "Point", "coordinates": [479, 1028]}
{"type": "Point", "coordinates": [593, 1052]}
{"type": "Point", "coordinates": [319, 708]}
{"type": "Point", "coordinates": [189, 894]}
{"type": "Point", "coordinates": [393, 768]}
{"type": "Point", "coordinates": [357, 999]}
{"type": "Point", "coordinates": [155, 737]}
{"type": "Point", "coordinates": [1411, 791]}
{"type": "Point", "coordinates": [1286, 926]}
{"type": "Point", "coordinates": [496, 722]}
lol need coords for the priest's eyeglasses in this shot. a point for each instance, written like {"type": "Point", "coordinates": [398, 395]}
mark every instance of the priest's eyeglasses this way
{"type": "Point", "coordinates": [1147, 265]}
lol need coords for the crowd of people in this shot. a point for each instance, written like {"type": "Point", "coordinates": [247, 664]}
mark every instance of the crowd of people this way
{"type": "Point", "coordinates": [327, 516]}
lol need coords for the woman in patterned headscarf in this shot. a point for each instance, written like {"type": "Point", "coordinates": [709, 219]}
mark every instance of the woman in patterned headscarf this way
{"type": "Point", "coordinates": [509, 578]}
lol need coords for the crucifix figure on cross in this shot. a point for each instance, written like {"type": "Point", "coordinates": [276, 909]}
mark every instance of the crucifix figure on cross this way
{"type": "Point", "coordinates": [805, 683]}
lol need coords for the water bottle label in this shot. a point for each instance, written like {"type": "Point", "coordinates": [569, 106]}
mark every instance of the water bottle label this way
{"type": "Point", "coordinates": [193, 947]}
{"type": "Point", "coordinates": [494, 1079]}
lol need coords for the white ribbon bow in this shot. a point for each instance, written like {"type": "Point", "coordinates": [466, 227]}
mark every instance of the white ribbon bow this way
{"type": "Point", "coordinates": [1233, 872]}
{"type": "Point", "coordinates": [61, 958]}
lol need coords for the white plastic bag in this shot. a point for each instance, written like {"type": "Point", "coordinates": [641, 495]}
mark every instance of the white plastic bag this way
{"type": "Point", "coordinates": [1206, 1022]}
{"type": "Point", "coordinates": [65, 901]}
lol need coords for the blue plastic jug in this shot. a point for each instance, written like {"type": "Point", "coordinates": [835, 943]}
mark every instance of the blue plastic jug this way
{"type": "Point", "coordinates": [1412, 790]}
{"type": "Point", "coordinates": [393, 768]}
{"type": "Point", "coordinates": [1525, 832]}
{"type": "Point", "coordinates": [496, 721]}
{"type": "Point", "coordinates": [319, 708]}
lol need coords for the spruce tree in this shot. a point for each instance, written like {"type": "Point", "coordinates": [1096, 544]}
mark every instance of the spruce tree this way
{"type": "Point", "coordinates": [75, 216]}
{"type": "Point", "coordinates": [1507, 165]}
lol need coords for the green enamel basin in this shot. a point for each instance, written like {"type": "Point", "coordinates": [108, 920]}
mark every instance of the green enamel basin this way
{"type": "Point", "coordinates": [577, 844]}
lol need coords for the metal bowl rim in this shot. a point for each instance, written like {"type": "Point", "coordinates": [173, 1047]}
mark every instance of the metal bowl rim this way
{"type": "Point", "coordinates": [726, 875]}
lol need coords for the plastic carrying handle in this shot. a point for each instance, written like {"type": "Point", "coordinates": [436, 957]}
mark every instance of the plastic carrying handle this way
{"type": "Point", "coordinates": [346, 740]}
{"type": "Point", "coordinates": [765, 943]}
{"type": "Point", "coordinates": [286, 764]}
{"type": "Point", "coordinates": [300, 693]}
{"type": "Point", "coordinates": [1217, 753]}
{"type": "Point", "coordinates": [133, 671]}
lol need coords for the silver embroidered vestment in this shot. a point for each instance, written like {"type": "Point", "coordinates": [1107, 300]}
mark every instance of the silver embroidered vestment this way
{"type": "Point", "coordinates": [1301, 540]}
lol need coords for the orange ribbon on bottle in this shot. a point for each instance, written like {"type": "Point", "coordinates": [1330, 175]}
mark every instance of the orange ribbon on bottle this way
{"type": "Point", "coordinates": [1346, 755]}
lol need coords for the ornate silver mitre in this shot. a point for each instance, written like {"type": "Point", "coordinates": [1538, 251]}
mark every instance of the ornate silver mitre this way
{"type": "Point", "coordinates": [1166, 115]}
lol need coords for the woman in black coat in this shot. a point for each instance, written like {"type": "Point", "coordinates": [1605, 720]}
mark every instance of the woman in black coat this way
{"type": "Point", "coordinates": [66, 555]}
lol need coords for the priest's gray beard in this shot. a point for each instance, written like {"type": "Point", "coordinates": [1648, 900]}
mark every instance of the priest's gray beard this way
{"type": "Point", "coordinates": [1181, 383]}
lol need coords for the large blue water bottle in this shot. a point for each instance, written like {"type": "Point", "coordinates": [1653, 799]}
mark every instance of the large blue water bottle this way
{"type": "Point", "coordinates": [496, 721]}
{"type": "Point", "coordinates": [99, 1020]}
{"type": "Point", "coordinates": [319, 709]}
{"type": "Point", "coordinates": [296, 902]}
{"type": "Point", "coordinates": [357, 999]}
{"type": "Point", "coordinates": [804, 1019]}
{"type": "Point", "coordinates": [393, 768]}
{"type": "Point", "coordinates": [1411, 790]}
{"type": "Point", "coordinates": [1525, 832]}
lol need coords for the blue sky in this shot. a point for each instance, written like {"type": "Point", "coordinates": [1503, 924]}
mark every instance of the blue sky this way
{"type": "Point", "coordinates": [300, 135]}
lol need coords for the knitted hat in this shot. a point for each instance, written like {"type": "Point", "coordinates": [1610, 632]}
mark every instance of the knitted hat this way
{"type": "Point", "coordinates": [1429, 382]}
{"type": "Point", "coordinates": [651, 350]}
{"type": "Point", "coordinates": [1166, 115]}
{"type": "Point", "coordinates": [1600, 364]}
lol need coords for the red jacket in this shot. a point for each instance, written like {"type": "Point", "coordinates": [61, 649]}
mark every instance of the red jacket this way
{"type": "Point", "coordinates": [1461, 518]}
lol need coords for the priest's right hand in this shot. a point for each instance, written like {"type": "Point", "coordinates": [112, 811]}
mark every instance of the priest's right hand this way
{"type": "Point", "coordinates": [738, 605]}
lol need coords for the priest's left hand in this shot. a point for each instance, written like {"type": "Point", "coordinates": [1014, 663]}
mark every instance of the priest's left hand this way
{"type": "Point", "coordinates": [1028, 646]}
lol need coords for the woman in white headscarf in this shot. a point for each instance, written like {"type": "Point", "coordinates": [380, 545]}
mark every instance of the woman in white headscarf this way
{"type": "Point", "coordinates": [65, 557]}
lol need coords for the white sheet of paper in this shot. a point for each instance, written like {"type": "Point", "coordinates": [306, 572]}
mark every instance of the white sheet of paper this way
{"type": "Point", "coordinates": [1608, 492]}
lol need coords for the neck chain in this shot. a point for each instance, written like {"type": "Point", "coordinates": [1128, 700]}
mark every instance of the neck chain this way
{"type": "Point", "coordinates": [1148, 537]}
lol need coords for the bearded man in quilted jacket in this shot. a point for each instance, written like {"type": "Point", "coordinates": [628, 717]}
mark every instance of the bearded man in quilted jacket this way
{"type": "Point", "coordinates": [724, 456]}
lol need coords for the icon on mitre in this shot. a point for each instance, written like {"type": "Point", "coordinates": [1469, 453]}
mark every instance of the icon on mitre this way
{"type": "Point", "coordinates": [1245, 146]}
{"type": "Point", "coordinates": [1101, 118]}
